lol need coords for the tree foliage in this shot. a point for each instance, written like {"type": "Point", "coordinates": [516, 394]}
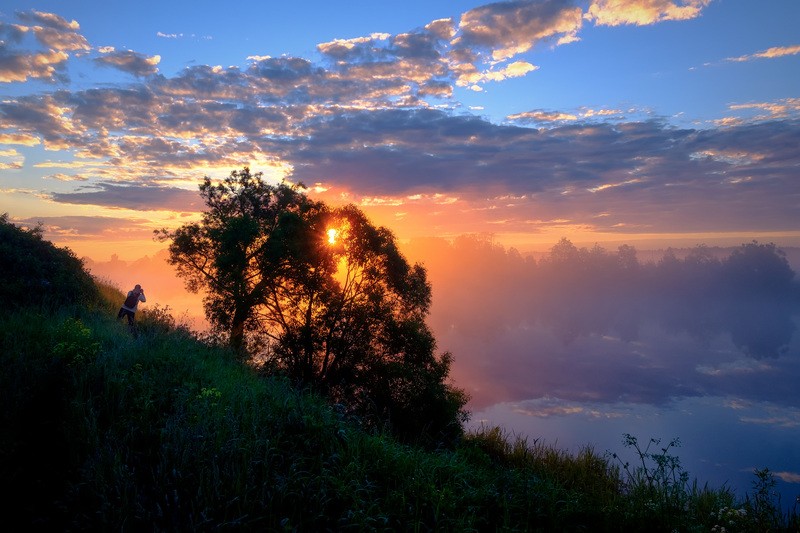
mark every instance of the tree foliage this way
{"type": "Point", "coordinates": [322, 295]}
{"type": "Point", "coordinates": [37, 272]}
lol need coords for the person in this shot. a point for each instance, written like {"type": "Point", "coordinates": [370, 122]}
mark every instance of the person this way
{"type": "Point", "coordinates": [131, 304]}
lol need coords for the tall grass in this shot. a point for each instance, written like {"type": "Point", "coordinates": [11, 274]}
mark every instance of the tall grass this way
{"type": "Point", "coordinates": [104, 430]}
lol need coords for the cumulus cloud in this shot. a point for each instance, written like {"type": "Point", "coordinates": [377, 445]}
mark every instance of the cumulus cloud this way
{"type": "Point", "coordinates": [19, 67]}
{"type": "Point", "coordinates": [55, 33]}
{"type": "Point", "coordinates": [131, 62]}
{"type": "Point", "coordinates": [643, 12]}
{"type": "Point", "coordinates": [57, 39]}
{"type": "Point", "coordinates": [43, 117]}
{"type": "Point", "coordinates": [355, 48]}
{"type": "Point", "coordinates": [511, 28]}
{"type": "Point", "coordinates": [19, 138]}
{"type": "Point", "coordinates": [490, 35]}
{"type": "Point", "coordinates": [618, 168]}
{"type": "Point", "coordinates": [360, 124]}
{"type": "Point", "coordinates": [50, 20]}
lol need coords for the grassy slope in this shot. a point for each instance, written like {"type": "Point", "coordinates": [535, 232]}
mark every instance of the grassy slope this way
{"type": "Point", "coordinates": [101, 430]}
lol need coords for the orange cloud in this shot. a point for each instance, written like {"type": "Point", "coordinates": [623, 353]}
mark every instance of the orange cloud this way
{"type": "Point", "coordinates": [542, 116]}
{"type": "Point", "coordinates": [21, 67]}
{"type": "Point", "coordinates": [642, 12]}
{"type": "Point", "coordinates": [19, 138]}
{"type": "Point", "coordinates": [769, 53]}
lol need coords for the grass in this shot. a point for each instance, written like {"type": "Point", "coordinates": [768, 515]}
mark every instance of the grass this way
{"type": "Point", "coordinates": [104, 430]}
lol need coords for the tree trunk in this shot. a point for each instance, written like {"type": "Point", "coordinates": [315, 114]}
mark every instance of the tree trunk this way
{"type": "Point", "coordinates": [237, 328]}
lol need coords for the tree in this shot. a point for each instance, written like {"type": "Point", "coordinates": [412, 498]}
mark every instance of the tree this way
{"type": "Point", "coordinates": [36, 272]}
{"type": "Point", "coordinates": [238, 238]}
{"type": "Point", "coordinates": [323, 296]}
{"type": "Point", "coordinates": [759, 269]}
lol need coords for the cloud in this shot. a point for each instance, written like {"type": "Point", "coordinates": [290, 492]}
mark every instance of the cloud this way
{"type": "Point", "coordinates": [51, 20]}
{"type": "Point", "coordinates": [19, 138]}
{"type": "Point", "coordinates": [788, 477]}
{"type": "Point", "coordinates": [382, 69]}
{"type": "Point", "coordinates": [359, 124]}
{"type": "Point", "coordinates": [402, 152]}
{"type": "Point", "coordinates": [163, 35]}
{"type": "Point", "coordinates": [543, 116]}
{"type": "Point", "coordinates": [11, 159]}
{"type": "Point", "coordinates": [11, 33]}
{"type": "Point", "coordinates": [355, 48]}
{"type": "Point", "coordinates": [516, 69]}
{"type": "Point", "coordinates": [643, 12]}
{"type": "Point", "coordinates": [88, 227]}
{"type": "Point", "coordinates": [770, 53]}
{"type": "Point", "coordinates": [56, 39]}
{"type": "Point", "coordinates": [511, 28]}
{"type": "Point", "coordinates": [137, 197]}
{"type": "Point", "coordinates": [42, 117]}
{"type": "Point", "coordinates": [55, 33]}
{"type": "Point", "coordinates": [131, 62]}
{"type": "Point", "coordinates": [319, 129]}
{"type": "Point", "coordinates": [20, 67]}
{"type": "Point", "coordinates": [469, 54]}
{"type": "Point", "coordinates": [59, 176]}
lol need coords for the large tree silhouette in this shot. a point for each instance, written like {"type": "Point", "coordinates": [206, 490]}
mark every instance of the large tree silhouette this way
{"type": "Point", "coordinates": [322, 295]}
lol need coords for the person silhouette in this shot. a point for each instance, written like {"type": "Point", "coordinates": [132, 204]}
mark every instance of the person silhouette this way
{"type": "Point", "coordinates": [131, 304]}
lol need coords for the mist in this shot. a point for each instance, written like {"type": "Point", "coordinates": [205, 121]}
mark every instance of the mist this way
{"type": "Point", "coordinates": [601, 325]}
{"type": "Point", "coordinates": [164, 289]}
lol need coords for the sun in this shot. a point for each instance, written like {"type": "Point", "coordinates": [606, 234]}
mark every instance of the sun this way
{"type": "Point", "coordinates": [332, 234]}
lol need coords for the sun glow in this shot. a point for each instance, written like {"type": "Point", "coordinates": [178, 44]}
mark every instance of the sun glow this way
{"type": "Point", "coordinates": [332, 234]}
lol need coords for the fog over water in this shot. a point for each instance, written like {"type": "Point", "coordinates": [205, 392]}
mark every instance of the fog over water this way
{"type": "Point", "coordinates": [582, 345]}
{"type": "Point", "coordinates": [578, 346]}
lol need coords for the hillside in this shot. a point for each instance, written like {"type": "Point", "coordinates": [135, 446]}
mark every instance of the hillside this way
{"type": "Point", "coordinates": [102, 430]}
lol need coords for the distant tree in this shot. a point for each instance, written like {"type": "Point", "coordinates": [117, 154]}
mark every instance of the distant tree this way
{"type": "Point", "coordinates": [626, 257]}
{"type": "Point", "coordinates": [759, 268]}
{"type": "Point", "coordinates": [321, 295]}
{"type": "Point", "coordinates": [564, 253]}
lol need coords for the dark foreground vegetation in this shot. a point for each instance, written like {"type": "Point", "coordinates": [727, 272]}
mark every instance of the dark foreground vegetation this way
{"type": "Point", "coordinates": [102, 430]}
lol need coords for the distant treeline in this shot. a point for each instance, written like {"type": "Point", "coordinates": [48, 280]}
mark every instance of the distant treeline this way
{"type": "Point", "coordinates": [751, 292]}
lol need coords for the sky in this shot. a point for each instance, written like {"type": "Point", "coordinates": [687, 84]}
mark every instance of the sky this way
{"type": "Point", "coordinates": [650, 122]}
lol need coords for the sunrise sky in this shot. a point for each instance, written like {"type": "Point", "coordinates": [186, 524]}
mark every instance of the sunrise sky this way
{"type": "Point", "coordinates": [641, 121]}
